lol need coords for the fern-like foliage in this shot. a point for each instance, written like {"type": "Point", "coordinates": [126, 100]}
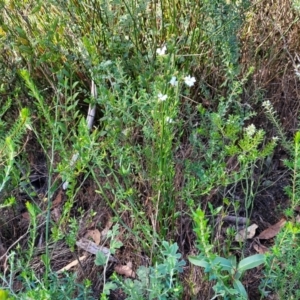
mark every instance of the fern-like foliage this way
{"type": "Point", "coordinates": [5, 107]}
{"type": "Point", "coordinates": [10, 141]}
{"type": "Point", "coordinates": [3, 126]}
{"type": "Point", "coordinates": [293, 190]}
{"type": "Point", "coordinates": [34, 92]}
{"type": "Point", "coordinates": [273, 118]}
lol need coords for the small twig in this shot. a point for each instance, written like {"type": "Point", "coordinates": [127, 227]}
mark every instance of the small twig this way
{"type": "Point", "coordinates": [92, 108]}
{"type": "Point", "coordinates": [235, 219]}
{"type": "Point", "coordinates": [93, 248]}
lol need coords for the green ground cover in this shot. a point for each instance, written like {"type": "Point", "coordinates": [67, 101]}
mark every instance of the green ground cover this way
{"type": "Point", "coordinates": [137, 140]}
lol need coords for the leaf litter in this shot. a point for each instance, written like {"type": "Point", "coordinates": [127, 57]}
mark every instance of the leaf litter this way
{"type": "Point", "coordinates": [246, 233]}
{"type": "Point", "coordinates": [272, 231]}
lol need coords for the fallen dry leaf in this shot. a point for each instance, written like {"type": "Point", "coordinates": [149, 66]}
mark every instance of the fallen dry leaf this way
{"type": "Point", "coordinates": [58, 199]}
{"type": "Point", "coordinates": [56, 214]}
{"type": "Point", "coordinates": [261, 249]}
{"type": "Point", "coordinates": [125, 270]}
{"type": "Point", "coordinates": [26, 216]}
{"type": "Point", "coordinates": [247, 233]}
{"type": "Point", "coordinates": [95, 235]}
{"type": "Point", "coordinates": [71, 264]}
{"type": "Point", "coordinates": [297, 208]}
{"type": "Point", "coordinates": [106, 229]}
{"type": "Point", "coordinates": [271, 231]}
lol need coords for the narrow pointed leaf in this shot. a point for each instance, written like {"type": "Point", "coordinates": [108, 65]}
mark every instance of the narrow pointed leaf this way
{"type": "Point", "coordinates": [224, 263]}
{"type": "Point", "coordinates": [197, 261]}
{"type": "Point", "coordinates": [251, 262]}
{"type": "Point", "coordinates": [240, 288]}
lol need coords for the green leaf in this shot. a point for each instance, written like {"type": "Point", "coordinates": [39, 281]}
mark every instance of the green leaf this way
{"type": "Point", "coordinates": [31, 209]}
{"type": "Point", "coordinates": [197, 261]}
{"type": "Point", "coordinates": [114, 245]}
{"type": "Point", "coordinates": [108, 287]}
{"type": "Point", "coordinates": [100, 259]}
{"type": "Point", "coordinates": [233, 260]}
{"type": "Point", "coordinates": [251, 262]}
{"type": "Point", "coordinates": [224, 263]}
{"type": "Point", "coordinates": [214, 211]}
{"type": "Point", "coordinates": [37, 8]}
{"type": "Point", "coordinates": [237, 274]}
{"type": "Point", "coordinates": [297, 137]}
{"type": "Point", "coordinates": [45, 259]}
{"type": "Point", "coordinates": [240, 288]}
{"type": "Point", "coordinates": [9, 202]}
{"type": "Point", "coordinates": [4, 295]}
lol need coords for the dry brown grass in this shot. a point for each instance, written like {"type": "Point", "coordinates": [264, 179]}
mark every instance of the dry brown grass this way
{"type": "Point", "coordinates": [271, 44]}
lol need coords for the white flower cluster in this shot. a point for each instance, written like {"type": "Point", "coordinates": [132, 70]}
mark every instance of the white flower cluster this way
{"type": "Point", "coordinates": [161, 51]}
{"type": "Point", "coordinates": [188, 80]}
{"type": "Point", "coordinates": [173, 81]}
{"type": "Point", "coordinates": [162, 97]}
{"type": "Point", "coordinates": [169, 120]}
{"type": "Point", "coordinates": [250, 130]}
{"type": "Point", "coordinates": [267, 104]}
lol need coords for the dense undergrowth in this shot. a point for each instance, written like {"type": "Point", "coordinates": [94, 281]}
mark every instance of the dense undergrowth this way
{"type": "Point", "coordinates": [137, 129]}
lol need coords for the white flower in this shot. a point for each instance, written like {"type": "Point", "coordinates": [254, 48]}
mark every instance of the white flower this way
{"type": "Point", "coordinates": [275, 138]}
{"type": "Point", "coordinates": [173, 81]}
{"type": "Point", "coordinates": [162, 97]}
{"type": "Point", "coordinates": [169, 120]}
{"type": "Point", "coordinates": [189, 81]}
{"type": "Point", "coordinates": [250, 130]}
{"type": "Point", "coordinates": [267, 104]}
{"type": "Point", "coordinates": [161, 51]}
